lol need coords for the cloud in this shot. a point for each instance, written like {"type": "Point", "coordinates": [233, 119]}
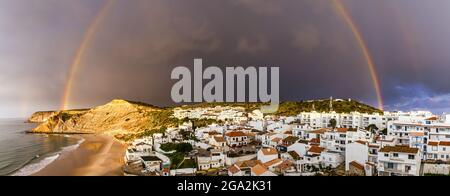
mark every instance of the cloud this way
{"type": "Point", "coordinates": [307, 39]}
{"type": "Point", "coordinates": [264, 7]}
{"type": "Point", "coordinates": [418, 97]}
{"type": "Point", "coordinates": [253, 46]}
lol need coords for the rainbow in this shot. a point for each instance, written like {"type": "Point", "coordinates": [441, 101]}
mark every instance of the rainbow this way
{"type": "Point", "coordinates": [75, 66]}
{"type": "Point", "coordinates": [340, 8]}
{"type": "Point", "coordinates": [92, 29]}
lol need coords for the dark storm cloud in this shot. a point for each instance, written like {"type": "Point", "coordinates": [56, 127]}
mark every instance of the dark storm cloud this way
{"type": "Point", "coordinates": [141, 41]}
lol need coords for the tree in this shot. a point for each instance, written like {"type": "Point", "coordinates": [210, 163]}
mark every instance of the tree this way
{"type": "Point", "coordinates": [384, 131]}
{"type": "Point", "coordinates": [372, 128]}
{"type": "Point", "coordinates": [333, 123]}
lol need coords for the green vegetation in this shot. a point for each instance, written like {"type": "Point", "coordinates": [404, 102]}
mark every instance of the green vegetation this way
{"type": "Point", "coordinates": [333, 123]}
{"type": "Point", "coordinates": [384, 131]}
{"type": "Point", "coordinates": [176, 159]}
{"type": "Point", "coordinates": [188, 163]}
{"type": "Point", "coordinates": [180, 148]}
{"type": "Point", "coordinates": [372, 128]}
{"type": "Point", "coordinates": [291, 108]}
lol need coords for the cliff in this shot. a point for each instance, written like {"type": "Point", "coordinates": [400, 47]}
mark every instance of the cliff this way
{"type": "Point", "coordinates": [116, 117]}
{"type": "Point", "coordinates": [40, 117]}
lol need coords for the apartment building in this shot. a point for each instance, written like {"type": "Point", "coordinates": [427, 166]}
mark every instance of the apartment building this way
{"type": "Point", "coordinates": [399, 161]}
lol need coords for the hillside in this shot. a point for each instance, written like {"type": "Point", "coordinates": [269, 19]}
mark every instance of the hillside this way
{"type": "Point", "coordinates": [292, 108]}
{"type": "Point", "coordinates": [127, 120]}
{"type": "Point", "coordinates": [118, 116]}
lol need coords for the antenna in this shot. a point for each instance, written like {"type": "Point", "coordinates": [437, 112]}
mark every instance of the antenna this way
{"type": "Point", "coordinates": [331, 104]}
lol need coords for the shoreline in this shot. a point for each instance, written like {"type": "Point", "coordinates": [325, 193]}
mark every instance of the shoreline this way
{"type": "Point", "coordinates": [97, 155]}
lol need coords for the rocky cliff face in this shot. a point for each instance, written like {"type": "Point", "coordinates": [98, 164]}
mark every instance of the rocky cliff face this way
{"type": "Point", "coordinates": [116, 117]}
{"type": "Point", "coordinates": [40, 117]}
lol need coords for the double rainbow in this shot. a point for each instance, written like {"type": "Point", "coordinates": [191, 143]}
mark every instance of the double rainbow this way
{"type": "Point", "coordinates": [93, 28]}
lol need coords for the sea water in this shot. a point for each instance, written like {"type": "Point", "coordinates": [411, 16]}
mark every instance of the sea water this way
{"type": "Point", "coordinates": [23, 154]}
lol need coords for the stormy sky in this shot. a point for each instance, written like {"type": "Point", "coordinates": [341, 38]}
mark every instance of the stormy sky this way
{"type": "Point", "coordinates": [139, 42]}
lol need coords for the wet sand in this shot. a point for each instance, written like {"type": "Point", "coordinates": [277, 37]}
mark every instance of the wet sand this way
{"type": "Point", "coordinates": [98, 155]}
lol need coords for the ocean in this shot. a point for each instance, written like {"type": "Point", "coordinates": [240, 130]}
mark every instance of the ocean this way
{"type": "Point", "coordinates": [23, 154]}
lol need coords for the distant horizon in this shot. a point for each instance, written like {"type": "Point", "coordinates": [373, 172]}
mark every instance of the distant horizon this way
{"type": "Point", "coordinates": [188, 104]}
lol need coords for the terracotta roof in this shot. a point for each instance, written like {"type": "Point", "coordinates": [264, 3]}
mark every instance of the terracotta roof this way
{"type": "Point", "coordinates": [291, 139]}
{"type": "Point", "coordinates": [316, 149]}
{"type": "Point", "coordinates": [315, 140]}
{"type": "Point", "coordinates": [219, 139]}
{"type": "Point", "coordinates": [357, 165]}
{"type": "Point", "coordinates": [273, 162]}
{"type": "Point", "coordinates": [259, 170]}
{"type": "Point", "coordinates": [320, 131]}
{"type": "Point", "coordinates": [432, 118]}
{"type": "Point", "coordinates": [417, 134]}
{"type": "Point", "coordinates": [269, 151]}
{"type": "Point", "coordinates": [444, 143]}
{"type": "Point", "coordinates": [401, 149]}
{"type": "Point", "coordinates": [433, 143]}
{"type": "Point", "coordinates": [361, 142]}
{"type": "Point", "coordinates": [294, 155]}
{"type": "Point", "coordinates": [277, 139]}
{"type": "Point", "coordinates": [374, 145]}
{"type": "Point", "coordinates": [213, 133]}
{"type": "Point", "coordinates": [288, 132]}
{"type": "Point", "coordinates": [342, 130]}
{"type": "Point", "coordinates": [233, 169]}
{"type": "Point", "coordinates": [248, 164]}
{"type": "Point", "coordinates": [236, 134]}
{"type": "Point", "coordinates": [284, 165]}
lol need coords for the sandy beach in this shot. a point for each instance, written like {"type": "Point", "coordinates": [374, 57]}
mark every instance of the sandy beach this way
{"type": "Point", "coordinates": [98, 155]}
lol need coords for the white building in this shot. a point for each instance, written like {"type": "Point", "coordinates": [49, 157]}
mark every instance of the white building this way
{"type": "Point", "coordinates": [358, 152]}
{"type": "Point", "coordinates": [331, 159]}
{"type": "Point", "coordinates": [210, 159]}
{"type": "Point", "coordinates": [267, 154]}
{"type": "Point", "coordinates": [236, 139]}
{"type": "Point", "coordinates": [425, 135]}
{"type": "Point", "coordinates": [399, 161]}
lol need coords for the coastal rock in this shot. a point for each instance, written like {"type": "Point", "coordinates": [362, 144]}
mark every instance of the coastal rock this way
{"type": "Point", "coordinates": [40, 117]}
{"type": "Point", "coordinates": [116, 117]}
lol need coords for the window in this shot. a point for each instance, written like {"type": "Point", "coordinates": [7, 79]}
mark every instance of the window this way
{"type": "Point", "coordinates": [390, 165]}
{"type": "Point", "coordinates": [444, 149]}
{"type": "Point", "coordinates": [407, 168]}
{"type": "Point", "coordinates": [395, 154]}
{"type": "Point", "coordinates": [411, 157]}
{"type": "Point", "coordinates": [386, 155]}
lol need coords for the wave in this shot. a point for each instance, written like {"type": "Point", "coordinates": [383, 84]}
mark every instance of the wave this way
{"type": "Point", "coordinates": [35, 167]}
{"type": "Point", "coordinates": [30, 168]}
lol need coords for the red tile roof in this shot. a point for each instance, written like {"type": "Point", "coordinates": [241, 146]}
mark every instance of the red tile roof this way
{"type": "Point", "coordinates": [316, 149]}
{"type": "Point", "coordinates": [320, 131]}
{"type": "Point", "coordinates": [233, 169]}
{"type": "Point", "coordinates": [269, 151]}
{"type": "Point", "coordinates": [401, 149]}
{"type": "Point", "coordinates": [357, 165]}
{"type": "Point", "coordinates": [273, 162]}
{"type": "Point", "coordinates": [315, 140]}
{"type": "Point", "coordinates": [342, 130]}
{"type": "Point", "coordinates": [433, 143]}
{"type": "Point", "coordinates": [361, 142]}
{"type": "Point", "coordinates": [236, 134]}
{"type": "Point", "coordinates": [417, 134]}
{"type": "Point", "coordinates": [259, 170]}
{"type": "Point", "coordinates": [219, 139]}
{"type": "Point", "coordinates": [444, 143]}
{"type": "Point", "coordinates": [432, 118]}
